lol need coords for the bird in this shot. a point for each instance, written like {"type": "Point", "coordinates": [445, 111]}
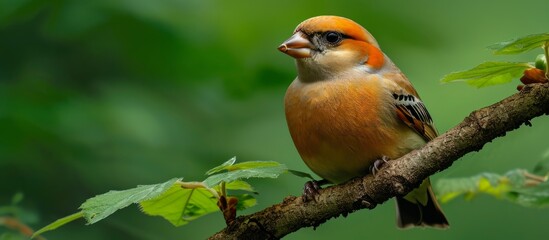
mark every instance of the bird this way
{"type": "Point", "coordinates": [350, 106]}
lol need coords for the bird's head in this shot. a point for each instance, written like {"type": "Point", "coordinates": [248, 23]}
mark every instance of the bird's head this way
{"type": "Point", "coordinates": [327, 46]}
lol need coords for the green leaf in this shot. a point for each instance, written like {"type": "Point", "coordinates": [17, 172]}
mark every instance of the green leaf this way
{"type": "Point", "coordinates": [101, 206]}
{"type": "Point", "coordinates": [247, 170]}
{"type": "Point", "coordinates": [517, 186]}
{"type": "Point", "coordinates": [243, 165]}
{"type": "Point", "coordinates": [176, 201]}
{"type": "Point", "coordinates": [180, 205]}
{"type": "Point", "coordinates": [17, 198]}
{"type": "Point", "coordinates": [448, 189]}
{"type": "Point", "coordinates": [488, 74]}
{"type": "Point", "coordinates": [12, 235]}
{"type": "Point", "coordinates": [58, 223]}
{"type": "Point", "coordinates": [537, 196]}
{"type": "Point", "coordinates": [245, 201]}
{"type": "Point", "coordinates": [520, 45]}
{"type": "Point", "coordinates": [239, 185]}
{"type": "Point", "coordinates": [222, 167]}
{"type": "Point", "coordinates": [541, 62]}
{"type": "Point", "coordinates": [301, 174]}
{"type": "Point", "coordinates": [542, 168]}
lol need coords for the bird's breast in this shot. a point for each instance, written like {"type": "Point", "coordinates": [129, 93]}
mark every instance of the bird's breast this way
{"type": "Point", "coordinates": [340, 127]}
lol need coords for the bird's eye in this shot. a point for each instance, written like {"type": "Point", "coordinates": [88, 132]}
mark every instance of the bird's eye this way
{"type": "Point", "coordinates": [333, 37]}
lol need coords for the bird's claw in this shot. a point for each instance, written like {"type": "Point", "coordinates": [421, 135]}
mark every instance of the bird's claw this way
{"type": "Point", "coordinates": [310, 190]}
{"type": "Point", "coordinates": [378, 164]}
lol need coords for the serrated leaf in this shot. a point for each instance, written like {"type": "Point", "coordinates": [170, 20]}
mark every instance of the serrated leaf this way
{"type": "Point", "coordinates": [12, 236]}
{"type": "Point", "coordinates": [301, 174]}
{"type": "Point", "coordinates": [58, 223]}
{"type": "Point", "coordinates": [246, 165]}
{"type": "Point", "coordinates": [488, 74]}
{"type": "Point", "coordinates": [541, 62]}
{"type": "Point", "coordinates": [239, 185]}
{"type": "Point", "coordinates": [537, 196]}
{"type": "Point", "coordinates": [517, 186]}
{"type": "Point", "coordinates": [181, 205]}
{"type": "Point", "coordinates": [17, 198]}
{"type": "Point", "coordinates": [448, 189]}
{"type": "Point", "coordinates": [265, 170]}
{"type": "Point", "coordinates": [101, 206]}
{"type": "Point", "coordinates": [245, 201]}
{"type": "Point", "coordinates": [542, 167]}
{"type": "Point", "coordinates": [497, 190]}
{"type": "Point", "coordinates": [488, 183]}
{"type": "Point", "coordinates": [222, 167]}
{"type": "Point", "coordinates": [520, 45]}
{"type": "Point", "coordinates": [515, 177]}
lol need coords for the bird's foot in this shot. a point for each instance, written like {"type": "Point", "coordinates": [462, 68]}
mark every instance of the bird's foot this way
{"type": "Point", "coordinates": [311, 189]}
{"type": "Point", "coordinates": [378, 164]}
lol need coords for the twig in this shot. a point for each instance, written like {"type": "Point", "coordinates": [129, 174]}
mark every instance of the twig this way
{"type": "Point", "coordinates": [15, 224]}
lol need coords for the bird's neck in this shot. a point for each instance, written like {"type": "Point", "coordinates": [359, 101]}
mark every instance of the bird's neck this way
{"type": "Point", "coordinates": [308, 71]}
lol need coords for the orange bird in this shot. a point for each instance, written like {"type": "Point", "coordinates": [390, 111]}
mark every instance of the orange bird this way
{"type": "Point", "coordinates": [350, 106]}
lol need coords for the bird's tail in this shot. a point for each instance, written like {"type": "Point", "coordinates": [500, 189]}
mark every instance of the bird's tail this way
{"type": "Point", "coordinates": [420, 208]}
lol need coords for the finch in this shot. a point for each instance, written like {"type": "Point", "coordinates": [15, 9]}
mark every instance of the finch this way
{"type": "Point", "coordinates": [350, 105]}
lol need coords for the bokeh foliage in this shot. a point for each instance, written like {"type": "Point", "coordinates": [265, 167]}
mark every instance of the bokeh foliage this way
{"type": "Point", "coordinates": [104, 95]}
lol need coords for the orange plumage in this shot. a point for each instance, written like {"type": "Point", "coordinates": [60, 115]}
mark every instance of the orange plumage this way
{"type": "Point", "coordinates": [350, 106]}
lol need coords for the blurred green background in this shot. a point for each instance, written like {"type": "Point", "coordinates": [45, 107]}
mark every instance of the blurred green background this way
{"type": "Point", "coordinates": [101, 95]}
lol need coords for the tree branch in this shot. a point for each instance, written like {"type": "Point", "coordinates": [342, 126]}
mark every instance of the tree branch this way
{"type": "Point", "coordinates": [398, 176]}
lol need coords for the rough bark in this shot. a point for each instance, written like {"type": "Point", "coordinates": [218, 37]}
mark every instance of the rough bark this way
{"type": "Point", "coordinates": [398, 176]}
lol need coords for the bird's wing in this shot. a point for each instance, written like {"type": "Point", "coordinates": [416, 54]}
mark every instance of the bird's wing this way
{"type": "Point", "coordinates": [411, 110]}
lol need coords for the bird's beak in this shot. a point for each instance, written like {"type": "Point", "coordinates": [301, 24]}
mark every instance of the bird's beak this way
{"type": "Point", "coordinates": [297, 46]}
